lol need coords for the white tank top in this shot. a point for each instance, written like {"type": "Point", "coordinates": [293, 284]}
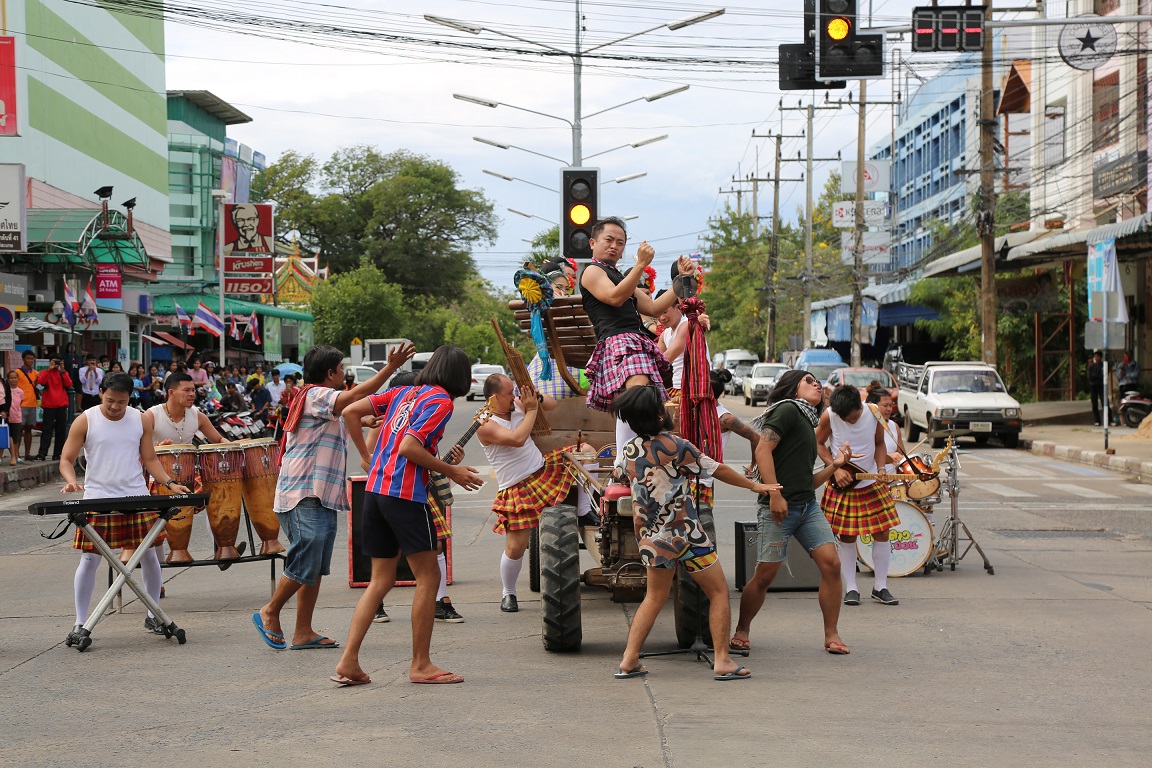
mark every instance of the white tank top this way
{"type": "Point", "coordinates": [113, 452]}
{"type": "Point", "coordinates": [720, 411]}
{"type": "Point", "coordinates": [678, 363]}
{"type": "Point", "coordinates": [180, 432]}
{"type": "Point", "coordinates": [890, 443]}
{"type": "Point", "coordinates": [513, 464]}
{"type": "Point", "coordinates": [861, 436]}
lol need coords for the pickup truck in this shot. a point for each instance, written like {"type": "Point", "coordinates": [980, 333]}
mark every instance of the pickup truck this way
{"type": "Point", "coordinates": [942, 395]}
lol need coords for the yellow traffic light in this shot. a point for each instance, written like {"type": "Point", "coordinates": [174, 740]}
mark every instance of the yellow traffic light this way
{"type": "Point", "coordinates": [838, 28]}
{"type": "Point", "coordinates": [579, 214]}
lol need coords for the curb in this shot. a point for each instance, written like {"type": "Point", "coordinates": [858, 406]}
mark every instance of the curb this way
{"type": "Point", "coordinates": [1127, 464]}
{"type": "Point", "coordinates": [21, 478]}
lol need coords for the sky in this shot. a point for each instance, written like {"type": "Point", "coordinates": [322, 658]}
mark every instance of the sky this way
{"type": "Point", "coordinates": [353, 72]}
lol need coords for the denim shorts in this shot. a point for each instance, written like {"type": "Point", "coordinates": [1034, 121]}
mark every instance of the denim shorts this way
{"type": "Point", "coordinates": [311, 531]}
{"type": "Point", "coordinates": [805, 521]}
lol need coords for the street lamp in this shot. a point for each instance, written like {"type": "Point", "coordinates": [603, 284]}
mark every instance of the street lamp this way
{"type": "Point", "coordinates": [628, 177]}
{"type": "Point", "coordinates": [634, 145]}
{"type": "Point", "coordinates": [531, 216]}
{"type": "Point", "coordinates": [502, 145]}
{"type": "Point", "coordinates": [517, 178]}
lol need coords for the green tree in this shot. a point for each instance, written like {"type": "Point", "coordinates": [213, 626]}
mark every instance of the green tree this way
{"type": "Point", "coordinates": [358, 303]}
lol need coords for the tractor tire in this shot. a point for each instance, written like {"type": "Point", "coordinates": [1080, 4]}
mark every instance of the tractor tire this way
{"type": "Point", "coordinates": [560, 627]}
{"type": "Point", "coordinates": [690, 605]}
{"type": "Point", "coordinates": [912, 432]}
{"type": "Point", "coordinates": [534, 560]}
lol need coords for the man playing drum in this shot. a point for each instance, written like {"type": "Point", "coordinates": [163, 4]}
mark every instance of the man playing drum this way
{"type": "Point", "coordinates": [117, 441]}
{"type": "Point", "coordinates": [868, 507]}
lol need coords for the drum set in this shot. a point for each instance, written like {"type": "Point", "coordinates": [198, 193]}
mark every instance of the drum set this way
{"type": "Point", "coordinates": [237, 475]}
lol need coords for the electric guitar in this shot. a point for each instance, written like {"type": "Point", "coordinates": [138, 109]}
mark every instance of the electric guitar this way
{"type": "Point", "coordinates": [439, 486]}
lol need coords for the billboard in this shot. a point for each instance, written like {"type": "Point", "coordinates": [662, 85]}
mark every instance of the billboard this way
{"type": "Point", "coordinates": [877, 177]}
{"type": "Point", "coordinates": [13, 209]}
{"type": "Point", "coordinates": [9, 125]}
{"type": "Point", "coordinates": [248, 228]}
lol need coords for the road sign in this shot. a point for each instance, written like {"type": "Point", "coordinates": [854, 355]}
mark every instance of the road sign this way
{"type": "Point", "coordinates": [7, 341]}
{"type": "Point", "coordinates": [245, 285]}
{"type": "Point", "coordinates": [1088, 45]}
{"type": "Point", "coordinates": [844, 213]}
{"type": "Point", "coordinates": [248, 263]}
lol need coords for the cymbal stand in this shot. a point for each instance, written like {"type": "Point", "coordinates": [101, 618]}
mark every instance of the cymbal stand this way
{"type": "Point", "coordinates": [954, 533]}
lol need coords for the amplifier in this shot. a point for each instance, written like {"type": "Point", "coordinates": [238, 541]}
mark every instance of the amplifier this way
{"type": "Point", "coordinates": [796, 573]}
{"type": "Point", "coordinates": [359, 564]}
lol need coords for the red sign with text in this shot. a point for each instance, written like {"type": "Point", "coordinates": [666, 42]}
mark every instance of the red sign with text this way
{"type": "Point", "coordinates": [247, 264]}
{"type": "Point", "coordinates": [247, 284]}
{"type": "Point", "coordinates": [9, 126]}
{"type": "Point", "coordinates": [248, 228]}
{"type": "Point", "coordinates": [109, 282]}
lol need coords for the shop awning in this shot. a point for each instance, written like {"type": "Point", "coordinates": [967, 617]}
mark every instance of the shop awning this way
{"type": "Point", "coordinates": [969, 258]}
{"type": "Point", "coordinates": [154, 340]}
{"type": "Point", "coordinates": [173, 340]}
{"type": "Point", "coordinates": [31, 324]}
{"type": "Point", "coordinates": [1016, 96]}
{"type": "Point", "coordinates": [1075, 243]}
{"type": "Point", "coordinates": [166, 305]}
{"type": "Point", "coordinates": [82, 238]}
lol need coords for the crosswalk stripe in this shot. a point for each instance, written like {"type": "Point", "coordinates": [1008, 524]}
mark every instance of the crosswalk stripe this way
{"type": "Point", "coordinates": [1004, 490]}
{"type": "Point", "coordinates": [1147, 489]}
{"type": "Point", "coordinates": [1077, 490]}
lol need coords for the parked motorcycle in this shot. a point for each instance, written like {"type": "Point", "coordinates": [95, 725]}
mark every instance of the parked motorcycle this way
{"type": "Point", "coordinates": [1134, 406]}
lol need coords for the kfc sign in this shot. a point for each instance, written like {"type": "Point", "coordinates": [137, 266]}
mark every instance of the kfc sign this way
{"type": "Point", "coordinates": [262, 264]}
{"type": "Point", "coordinates": [248, 228]}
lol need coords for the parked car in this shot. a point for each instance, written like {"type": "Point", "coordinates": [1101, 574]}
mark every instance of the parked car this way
{"type": "Point", "coordinates": [966, 396]}
{"type": "Point", "coordinates": [760, 380]}
{"type": "Point", "coordinates": [861, 378]}
{"type": "Point", "coordinates": [479, 374]}
{"type": "Point", "coordinates": [739, 362]}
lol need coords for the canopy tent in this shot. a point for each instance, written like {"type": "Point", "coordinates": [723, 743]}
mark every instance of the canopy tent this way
{"type": "Point", "coordinates": [83, 238]}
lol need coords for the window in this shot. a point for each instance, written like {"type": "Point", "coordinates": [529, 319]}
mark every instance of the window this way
{"type": "Point", "coordinates": [1055, 124]}
{"type": "Point", "coordinates": [1106, 111]}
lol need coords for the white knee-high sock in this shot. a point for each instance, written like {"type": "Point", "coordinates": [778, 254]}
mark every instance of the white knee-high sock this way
{"type": "Point", "coordinates": [848, 565]}
{"type": "Point", "coordinates": [84, 582]}
{"type": "Point", "coordinates": [882, 558]}
{"type": "Point", "coordinates": [509, 572]}
{"type": "Point", "coordinates": [153, 580]}
{"type": "Point", "coordinates": [624, 435]}
{"type": "Point", "coordinates": [442, 591]}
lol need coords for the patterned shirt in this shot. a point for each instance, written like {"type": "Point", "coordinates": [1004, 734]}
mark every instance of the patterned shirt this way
{"type": "Point", "coordinates": [422, 412]}
{"type": "Point", "coordinates": [661, 494]}
{"type": "Point", "coordinates": [315, 456]}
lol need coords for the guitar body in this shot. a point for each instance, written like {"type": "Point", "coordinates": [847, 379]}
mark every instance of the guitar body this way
{"type": "Point", "coordinates": [856, 470]}
{"type": "Point", "coordinates": [439, 486]}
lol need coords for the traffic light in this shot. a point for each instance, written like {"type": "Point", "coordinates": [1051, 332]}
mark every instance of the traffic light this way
{"type": "Point", "coordinates": [949, 29]}
{"type": "Point", "coordinates": [798, 69]}
{"type": "Point", "coordinates": [841, 53]}
{"type": "Point", "coordinates": [579, 192]}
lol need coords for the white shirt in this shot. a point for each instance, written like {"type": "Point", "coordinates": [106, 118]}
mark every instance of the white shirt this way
{"type": "Point", "coordinates": [512, 464]}
{"type": "Point", "coordinates": [180, 432]}
{"type": "Point", "coordinates": [90, 379]}
{"type": "Point", "coordinates": [112, 449]}
{"type": "Point", "coordinates": [861, 436]}
{"type": "Point", "coordinates": [275, 390]}
{"type": "Point", "coordinates": [678, 363]}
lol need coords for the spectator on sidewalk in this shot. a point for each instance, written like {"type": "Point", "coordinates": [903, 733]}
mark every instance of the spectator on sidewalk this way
{"type": "Point", "coordinates": [55, 384]}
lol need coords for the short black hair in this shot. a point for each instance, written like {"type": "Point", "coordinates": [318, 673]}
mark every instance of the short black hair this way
{"type": "Point", "coordinates": [642, 408]}
{"type": "Point", "coordinates": [174, 380]}
{"type": "Point", "coordinates": [449, 368]}
{"type": "Point", "coordinates": [118, 382]}
{"type": "Point", "coordinates": [718, 378]}
{"type": "Point", "coordinates": [493, 384]}
{"type": "Point", "coordinates": [786, 386]}
{"type": "Point", "coordinates": [403, 379]}
{"type": "Point", "coordinates": [876, 394]}
{"type": "Point", "coordinates": [90, 359]}
{"type": "Point", "coordinates": [845, 401]}
{"type": "Point", "coordinates": [318, 361]}
{"type": "Point", "coordinates": [598, 227]}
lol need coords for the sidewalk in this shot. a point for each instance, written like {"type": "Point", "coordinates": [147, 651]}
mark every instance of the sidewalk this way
{"type": "Point", "coordinates": [24, 476]}
{"type": "Point", "coordinates": [1064, 430]}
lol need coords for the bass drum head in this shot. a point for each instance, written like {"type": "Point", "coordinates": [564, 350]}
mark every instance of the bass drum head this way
{"type": "Point", "coordinates": [911, 542]}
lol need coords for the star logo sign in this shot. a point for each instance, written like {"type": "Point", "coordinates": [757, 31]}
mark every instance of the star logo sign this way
{"type": "Point", "coordinates": [1088, 42]}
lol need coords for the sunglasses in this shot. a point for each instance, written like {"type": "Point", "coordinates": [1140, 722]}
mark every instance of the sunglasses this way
{"type": "Point", "coordinates": [809, 380]}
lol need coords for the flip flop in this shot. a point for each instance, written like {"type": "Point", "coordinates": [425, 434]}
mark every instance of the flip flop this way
{"type": "Point", "coordinates": [639, 671]}
{"type": "Point", "coordinates": [346, 681]}
{"type": "Point", "coordinates": [440, 678]}
{"type": "Point", "coordinates": [739, 644]}
{"type": "Point", "coordinates": [314, 643]}
{"type": "Point", "coordinates": [268, 635]}
{"type": "Point", "coordinates": [837, 649]}
{"type": "Point", "coordinates": [734, 675]}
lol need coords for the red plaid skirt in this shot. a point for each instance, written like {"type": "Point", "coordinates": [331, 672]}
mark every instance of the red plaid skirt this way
{"type": "Point", "coordinates": [518, 507]}
{"type": "Point", "coordinates": [118, 530]}
{"type": "Point", "coordinates": [707, 493]}
{"type": "Point", "coordinates": [618, 357]}
{"type": "Point", "coordinates": [443, 531]}
{"type": "Point", "coordinates": [860, 510]}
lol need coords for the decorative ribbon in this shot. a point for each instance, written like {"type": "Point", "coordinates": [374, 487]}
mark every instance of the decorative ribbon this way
{"type": "Point", "coordinates": [537, 293]}
{"type": "Point", "coordinates": [699, 423]}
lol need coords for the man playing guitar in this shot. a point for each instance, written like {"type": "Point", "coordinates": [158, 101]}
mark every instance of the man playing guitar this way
{"type": "Point", "coordinates": [857, 506]}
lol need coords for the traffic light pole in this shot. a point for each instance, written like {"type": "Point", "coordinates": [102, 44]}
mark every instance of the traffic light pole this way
{"type": "Point", "coordinates": [858, 245]}
{"type": "Point", "coordinates": [987, 216]}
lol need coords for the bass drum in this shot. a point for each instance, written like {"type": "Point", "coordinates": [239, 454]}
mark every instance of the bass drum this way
{"type": "Point", "coordinates": [911, 542]}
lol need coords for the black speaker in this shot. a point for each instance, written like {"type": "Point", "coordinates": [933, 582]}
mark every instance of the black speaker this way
{"type": "Point", "coordinates": [797, 573]}
{"type": "Point", "coordinates": [359, 564]}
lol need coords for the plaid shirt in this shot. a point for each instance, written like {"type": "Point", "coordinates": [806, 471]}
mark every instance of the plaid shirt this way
{"type": "Point", "coordinates": [315, 456]}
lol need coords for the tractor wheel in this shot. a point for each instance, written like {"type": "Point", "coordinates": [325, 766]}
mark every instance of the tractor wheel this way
{"type": "Point", "coordinates": [534, 560]}
{"type": "Point", "coordinates": [560, 580]}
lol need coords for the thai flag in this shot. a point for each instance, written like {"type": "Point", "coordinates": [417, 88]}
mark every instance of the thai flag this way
{"type": "Point", "coordinates": [182, 316]}
{"type": "Point", "coordinates": [254, 328]}
{"type": "Point", "coordinates": [208, 320]}
{"type": "Point", "coordinates": [234, 332]}
{"type": "Point", "coordinates": [88, 307]}
{"type": "Point", "coordinates": [71, 305]}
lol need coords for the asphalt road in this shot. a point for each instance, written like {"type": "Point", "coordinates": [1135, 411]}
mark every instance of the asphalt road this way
{"type": "Point", "coordinates": [1040, 664]}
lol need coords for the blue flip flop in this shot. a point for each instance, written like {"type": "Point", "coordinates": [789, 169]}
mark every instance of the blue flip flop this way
{"type": "Point", "coordinates": [733, 675]}
{"type": "Point", "coordinates": [267, 635]}
{"type": "Point", "coordinates": [639, 671]}
{"type": "Point", "coordinates": [314, 643]}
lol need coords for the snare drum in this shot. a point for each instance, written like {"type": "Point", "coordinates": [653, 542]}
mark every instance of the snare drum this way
{"type": "Point", "coordinates": [923, 483]}
{"type": "Point", "coordinates": [261, 468]}
{"type": "Point", "coordinates": [911, 542]}
{"type": "Point", "coordinates": [222, 468]}
{"type": "Point", "coordinates": [179, 461]}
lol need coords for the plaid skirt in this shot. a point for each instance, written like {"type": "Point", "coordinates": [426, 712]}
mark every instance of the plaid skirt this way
{"type": "Point", "coordinates": [618, 357]}
{"type": "Point", "coordinates": [707, 493]}
{"type": "Point", "coordinates": [118, 530]}
{"type": "Point", "coordinates": [440, 519]}
{"type": "Point", "coordinates": [860, 510]}
{"type": "Point", "coordinates": [518, 507]}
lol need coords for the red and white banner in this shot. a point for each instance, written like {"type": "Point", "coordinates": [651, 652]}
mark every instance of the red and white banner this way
{"type": "Point", "coordinates": [9, 125]}
{"type": "Point", "coordinates": [248, 264]}
{"type": "Point", "coordinates": [109, 281]}
{"type": "Point", "coordinates": [246, 285]}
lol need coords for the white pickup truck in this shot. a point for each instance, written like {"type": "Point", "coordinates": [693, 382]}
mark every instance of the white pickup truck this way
{"type": "Point", "coordinates": [939, 396]}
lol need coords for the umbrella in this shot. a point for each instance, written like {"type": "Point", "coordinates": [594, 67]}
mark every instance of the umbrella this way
{"type": "Point", "coordinates": [287, 368]}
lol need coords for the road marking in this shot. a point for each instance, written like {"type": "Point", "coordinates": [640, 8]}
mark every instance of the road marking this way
{"type": "Point", "coordinates": [1076, 490]}
{"type": "Point", "coordinates": [1003, 490]}
{"type": "Point", "coordinates": [1139, 488]}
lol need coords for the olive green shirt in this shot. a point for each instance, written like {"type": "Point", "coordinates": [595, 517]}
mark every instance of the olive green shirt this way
{"type": "Point", "coordinates": [795, 454]}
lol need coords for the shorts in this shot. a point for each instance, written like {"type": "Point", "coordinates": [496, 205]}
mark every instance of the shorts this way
{"type": "Point", "coordinates": [28, 413]}
{"type": "Point", "coordinates": [14, 431]}
{"type": "Point", "coordinates": [666, 547]}
{"type": "Point", "coordinates": [390, 527]}
{"type": "Point", "coordinates": [311, 530]}
{"type": "Point", "coordinates": [805, 521]}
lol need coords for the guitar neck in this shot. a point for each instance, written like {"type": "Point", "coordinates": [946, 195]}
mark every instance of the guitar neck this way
{"type": "Point", "coordinates": [867, 476]}
{"type": "Point", "coordinates": [468, 433]}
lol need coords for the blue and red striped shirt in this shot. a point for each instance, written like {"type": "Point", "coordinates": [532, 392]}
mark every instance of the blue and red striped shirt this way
{"type": "Point", "coordinates": [422, 412]}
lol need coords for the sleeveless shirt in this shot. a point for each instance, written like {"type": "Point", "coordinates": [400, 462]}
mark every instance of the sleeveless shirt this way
{"type": "Point", "coordinates": [607, 319]}
{"type": "Point", "coordinates": [180, 432]}
{"type": "Point", "coordinates": [512, 464]}
{"type": "Point", "coordinates": [861, 436]}
{"type": "Point", "coordinates": [113, 452]}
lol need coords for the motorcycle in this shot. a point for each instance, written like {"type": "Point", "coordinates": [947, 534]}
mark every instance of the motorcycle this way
{"type": "Point", "coordinates": [1134, 406]}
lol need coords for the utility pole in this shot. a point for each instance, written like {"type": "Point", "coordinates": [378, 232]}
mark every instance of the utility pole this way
{"type": "Point", "coordinates": [858, 245]}
{"type": "Point", "coordinates": [987, 217]}
{"type": "Point", "coordinates": [770, 352]}
{"type": "Point", "coordinates": [739, 198]}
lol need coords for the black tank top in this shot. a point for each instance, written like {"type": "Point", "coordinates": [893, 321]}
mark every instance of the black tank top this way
{"type": "Point", "coordinates": [607, 319]}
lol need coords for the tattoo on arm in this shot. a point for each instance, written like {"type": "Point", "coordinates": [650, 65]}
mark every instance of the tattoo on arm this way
{"type": "Point", "coordinates": [770, 436]}
{"type": "Point", "coordinates": [742, 429]}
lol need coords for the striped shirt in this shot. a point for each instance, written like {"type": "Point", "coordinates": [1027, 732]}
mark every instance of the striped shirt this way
{"type": "Point", "coordinates": [315, 456]}
{"type": "Point", "coordinates": [422, 412]}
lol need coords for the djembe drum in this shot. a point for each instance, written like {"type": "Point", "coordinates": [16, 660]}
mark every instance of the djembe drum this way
{"type": "Point", "coordinates": [261, 468]}
{"type": "Point", "coordinates": [179, 461]}
{"type": "Point", "coordinates": [222, 469]}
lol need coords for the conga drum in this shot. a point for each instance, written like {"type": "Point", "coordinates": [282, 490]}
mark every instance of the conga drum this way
{"type": "Point", "coordinates": [261, 467]}
{"type": "Point", "coordinates": [179, 461]}
{"type": "Point", "coordinates": [222, 470]}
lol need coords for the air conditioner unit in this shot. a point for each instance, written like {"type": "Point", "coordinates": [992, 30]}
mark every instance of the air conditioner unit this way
{"type": "Point", "coordinates": [37, 298]}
